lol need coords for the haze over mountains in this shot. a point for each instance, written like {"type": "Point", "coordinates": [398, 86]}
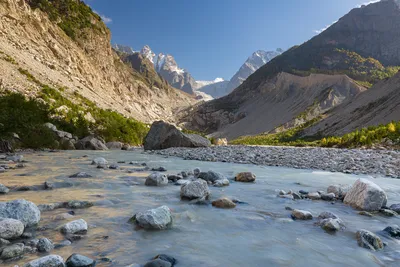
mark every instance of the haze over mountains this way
{"type": "Point", "coordinates": [181, 79]}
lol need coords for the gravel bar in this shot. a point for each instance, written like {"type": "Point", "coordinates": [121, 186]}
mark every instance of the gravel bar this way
{"type": "Point", "coordinates": [354, 161]}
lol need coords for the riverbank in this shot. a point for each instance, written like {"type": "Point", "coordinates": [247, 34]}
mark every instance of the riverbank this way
{"type": "Point", "coordinates": [352, 161]}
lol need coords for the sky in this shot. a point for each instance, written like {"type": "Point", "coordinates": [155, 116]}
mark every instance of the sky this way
{"type": "Point", "coordinates": [213, 38]}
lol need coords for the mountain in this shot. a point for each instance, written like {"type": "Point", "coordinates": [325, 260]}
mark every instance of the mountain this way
{"type": "Point", "coordinates": [219, 88]}
{"type": "Point", "coordinates": [123, 49]}
{"type": "Point", "coordinates": [253, 63]}
{"type": "Point", "coordinates": [308, 82]}
{"type": "Point", "coordinates": [42, 46]}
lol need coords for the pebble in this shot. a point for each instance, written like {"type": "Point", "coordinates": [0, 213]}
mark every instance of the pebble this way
{"type": "Point", "coordinates": [301, 215]}
{"type": "Point", "coordinates": [377, 162]}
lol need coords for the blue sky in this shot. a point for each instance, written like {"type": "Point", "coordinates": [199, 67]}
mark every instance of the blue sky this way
{"type": "Point", "coordinates": [213, 38]}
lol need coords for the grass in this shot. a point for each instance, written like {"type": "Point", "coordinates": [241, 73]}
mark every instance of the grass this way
{"type": "Point", "coordinates": [29, 76]}
{"type": "Point", "coordinates": [72, 16]}
{"type": "Point", "coordinates": [363, 137]}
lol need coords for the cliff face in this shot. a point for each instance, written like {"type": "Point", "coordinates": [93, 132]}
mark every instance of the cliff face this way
{"type": "Point", "coordinates": [36, 50]}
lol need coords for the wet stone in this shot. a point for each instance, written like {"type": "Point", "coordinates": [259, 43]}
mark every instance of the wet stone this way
{"type": "Point", "coordinates": [77, 260]}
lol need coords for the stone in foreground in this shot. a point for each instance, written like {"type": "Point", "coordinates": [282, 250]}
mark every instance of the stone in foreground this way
{"type": "Point", "coordinates": [11, 228]}
{"type": "Point", "coordinates": [211, 176]}
{"type": "Point", "coordinates": [369, 240]}
{"type": "Point", "coordinates": [156, 219]}
{"type": "Point", "coordinates": [195, 189]}
{"type": "Point", "coordinates": [48, 261]}
{"type": "Point", "coordinates": [245, 177]}
{"type": "Point", "coordinates": [3, 188]}
{"type": "Point", "coordinates": [156, 179]}
{"type": "Point", "coordinates": [77, 260]}
{"type": "Point", "coordinates": [163, 135]}
{"type": "Point", "coordinates": [301, 215]}
{"type": "Point", "coordinates": [224, 203]}
{"type": "Point", "coordinates": [393, 231]}
{"type": "Point", "coordinates": [75, 227]}
{"type": "Point", "coordinates": [158, 263]}
{"type": "Point", "coordinates": [45, 245]}
{"type": "Point", "coordinates": [12, 252]}
{"type": "Point", "coordinates": [22, 210]}
{"type": "Point", "coordinates": [365, 195]}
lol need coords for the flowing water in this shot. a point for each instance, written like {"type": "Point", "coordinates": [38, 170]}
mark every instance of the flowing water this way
{"type": "Point", "coordinates": [259, 233]}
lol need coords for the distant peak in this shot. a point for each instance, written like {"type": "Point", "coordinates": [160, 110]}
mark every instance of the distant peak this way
{"type": "Point", "coordinates": [218, 80]}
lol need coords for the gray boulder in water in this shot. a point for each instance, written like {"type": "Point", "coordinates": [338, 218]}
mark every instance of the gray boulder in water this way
{"type": "Point", "coordinates": [365, 195]}
{"type": "Point", "coordinates": [156, 179]}
{"type": "Point", "coordinates": [156, 219]}
{"type": "Point", "coordinates": [48, 261]}
{"type": "Point", "coordinates": [90, 143]}
{"type": "Point", "coordinates": [114, 145]}
{"type": "Point", "coordinates": [369, 240]}
{"type": "Point", "coordinates": [163, 135]}
{"type": "Point", "coordinates": [22, 210]}
{"type": "Point", "coordinates": [11, 228]}
{"type": "Point", "coordinates": [194, 190]}
{"type": "Point", "coordinates": [76, 260]}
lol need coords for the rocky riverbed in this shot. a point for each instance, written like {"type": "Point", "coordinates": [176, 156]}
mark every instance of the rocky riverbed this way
{"type": "Point", "coordinates": [76, 207]}
{"type": "Point", "coordinates": [353, 161]}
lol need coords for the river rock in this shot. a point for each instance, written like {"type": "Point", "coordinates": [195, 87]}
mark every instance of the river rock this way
{"type": "Point", "coordinates": [156, 179]}
{"type": "Point", "coordinates": [4, 189]}
{"type": "Point", "coordinates": [340, 191]}
{"type": "Point", "coordinates": [12, 251]}
{"type": "Point", "coordinates": [75, 227]}
{"type": "Point", "coordinates": [167, 258]}
{"type": "Point", "coordinates": [328, 196]}
{"type": "Point", "coordinates": [15, 158]}
{"type": "Point", "coordinates": [393, 231]}
{"type": "Point", "coordinates": [80, 175]}
{"type": "Point", "coordinates": [11, 228]}
{"type": "Point", "coordinates": [77, 260]}
{"type": "Point", "coordinates": [195, 189]}
{"type": "Point", "coordinates": [174, 177]}
{"type": "Point", "coordinates": [331, 225]}
{"type": "Point", "coordinates": [44, 245]}
{"type": "Point", "coordinates": [114, 145]}
{"type": "Point", "coordinates": [157, 219]}
{"type": "Point", "coordinates": [388, 213]}
{"type": "Point", "coordinates": [395, 207]}
{"type": "Point", "coordinates": [22, 210]}
{"type": "Point", "coordinates": [158, 263]}
{"type": "Point", "coordinates": [196, 172]}
{"type": "Point", "coordinates": [48, 261]}
{"type": "Point", "coordinates": [221, 183]}
{"type": "Point", "coordinates": [163, 135]}
{"type": "Point", "coordinates": [113, 167]}
{"type": "Point", "coordinates": [99, 161]}
{"type": "Point", "coordinates": [296, 196]}
{"type": "Point", "coordinates": [90, 143]}
{"type": "Point", "coordinates": [301, 215]}
{"type": "Point", "coordinates": [77, 204]}
{"type": "Point", "coordinates": [211, 176]}
{"type": "Point", "coordinates": [245, 177]}
{"type": "Point", "coordinates": [224, 203]}
{"type": "Point", "coordinates": [314, 196]}
{"type": "Point", "coordinates": [2, 170]}
{"type": "Point", "coordinates": [365, 195]}
{"type": "Point", "coordinates": [369, 240]}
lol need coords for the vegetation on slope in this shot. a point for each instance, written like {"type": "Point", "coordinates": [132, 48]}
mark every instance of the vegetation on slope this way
{"type": "Point", "coordinates": [364, 137]}
{"type": "Point", "coordinates": [72, 16]}
{"type": "Point", "coordinates": [81, 118]}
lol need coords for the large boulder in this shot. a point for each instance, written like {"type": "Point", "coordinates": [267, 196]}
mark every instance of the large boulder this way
{"type": "Point", "coordinates": [114, 145]}
{"type": "Point", "coordinates": [156, 219]}
{"type": "Point", "coordinates": [11, 228]}
{"type": "Point", "coordinates": [163, 135]}
{"type": "Point", "coordinates": [22, 210]}
{"type": "Point", "coordinates": [90, 143]}
{"type": "Point", "coordinates": [47, 261]}
{"type": "Point", "coordinates": [12, 252]}
{"type": "Point", "coordinates": [365, 195]}
{"type": "Point", "coordinates": [195, 189]}
{"type": "Point", "coordinates": [245, 177]}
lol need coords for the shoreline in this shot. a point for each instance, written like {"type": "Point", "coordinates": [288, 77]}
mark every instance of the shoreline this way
{"type": "Point", "coordinates": [384, 163]}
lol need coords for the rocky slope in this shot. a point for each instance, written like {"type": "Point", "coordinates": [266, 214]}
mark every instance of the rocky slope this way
{"type": "Point", "coordinates": [36, 51]}
{"type": "Point", "coordinates": [378, 105]}
{"type": "Point", "coordinates": [361, 45]}
{"type": "Point", "coordinates": [286, 100]}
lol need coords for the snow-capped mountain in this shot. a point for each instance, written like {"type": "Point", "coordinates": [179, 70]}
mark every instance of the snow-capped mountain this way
{"type": "Point", "coordinates": [253, 63]}
{"type": "Point", "coordinates": [219, 88]}
{"type": "Point", "coordinates": [124, 49]}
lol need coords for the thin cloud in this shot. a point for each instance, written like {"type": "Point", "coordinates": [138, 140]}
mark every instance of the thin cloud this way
{"type": "Point", "coordinates": [324, 28]}
{"type": "Point", "coordinates": [105, 19]}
